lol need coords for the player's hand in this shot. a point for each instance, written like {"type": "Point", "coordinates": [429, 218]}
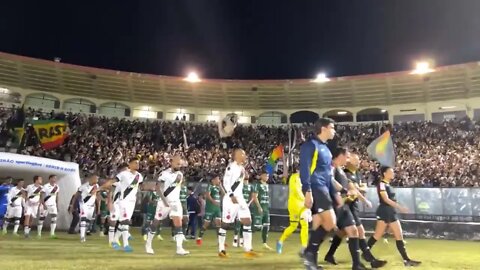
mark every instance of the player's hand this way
{"type": "Point", "coordinates": [260, 210]}
{"type": "Point", "coordinates": [368, 204]}
{"type": "Point", "coordinates": [308, 200]}
{"type": "Point", "coordinates": [403, 210]}
{"type": "Point", "coordinates": [216, 203]}
{"type": "Point", "coordinates": [234, 200]}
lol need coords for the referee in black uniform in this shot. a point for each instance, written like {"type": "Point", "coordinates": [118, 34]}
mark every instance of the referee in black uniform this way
{"type": "Point", "coordinates": [387, 215]}
{"type": "Point", "coordinates": [348, 220]}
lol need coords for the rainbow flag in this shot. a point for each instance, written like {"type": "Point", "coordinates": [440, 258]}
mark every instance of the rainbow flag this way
{"type": "Point", "coordinates": [381, 150]}
{"type": "Point", "coordinates": [276, 154]}
{"type": "Point", "coordinates": [50, 133]}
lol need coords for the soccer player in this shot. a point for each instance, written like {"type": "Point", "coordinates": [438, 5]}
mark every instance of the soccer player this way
{"type": "Point", "coordinates": [129, 182]}
{"type": "Point", "coordinates": [247, 193]}
{"type": "Point", "coordinates": [262, 203]}
{"type": "Point", "coordinates": [33, 203]}
{"type": "Point", "coordinates": [4, 189]}
{"type": "Point", "coordinates": [316, 177]}
{"type": "Point", "coordinates": [87, 193]}
{"type": "Point", "coordinates": [183, 200]}
{"type": "Point", "coordinates": [212, 208]}
{"type": "Point", "coordinates": [168, 187]}
{"type": "Point", "coordinates": [387, 215]}
{"type": "Point", "coordinates": [152, 198]}
{"type": "Point", "coordinates": [102, 211]}
{"type": "Point", "coordinates": [234, 204]}
{"type": "Point", "coordinates": [352, 182]}
{"type": "Point", "coordinates": [50, 197]}
{"type": "Point", "coordinates": [296, 211]}
{"type": "Point", "coordinates": [16, 199]}
{"type": "Point", "coordinates": [113, 202]}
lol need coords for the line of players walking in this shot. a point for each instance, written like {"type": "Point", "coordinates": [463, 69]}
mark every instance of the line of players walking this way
{"type": "Point", "coordinates": [325, 191]}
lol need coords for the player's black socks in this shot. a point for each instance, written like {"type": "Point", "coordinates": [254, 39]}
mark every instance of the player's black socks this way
{"type": "Point", "coordinates": [316, 238]}
{"type": "Point", "coordinates": [401, 249]}
{"type": "Point", "coordinates": [353, 246]}
{"type": "Point", "coordinates": [367, 254]}
{"type": "Point", "coordinates": [371, 241]}
{"type": "Point", "coordinates": [334, 246]}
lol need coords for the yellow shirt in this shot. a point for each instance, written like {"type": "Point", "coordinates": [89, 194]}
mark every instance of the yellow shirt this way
{"type": "Point", "coordinates": [296, 199]}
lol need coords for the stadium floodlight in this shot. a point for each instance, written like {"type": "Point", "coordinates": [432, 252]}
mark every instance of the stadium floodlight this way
{"type": "Point", "coordinates": [447, 107]}
{"type": "Point", "coordinates": [342, 113]}
{"type": "Point", "coordinates": [422, 68]}
{"type": "Point", "coordinates": [4, 90]}
{"type": "Point", "coordinates": [321, 78]}
{"type": "Point", "coordinates": [383, 111]}
{"type": "Point", "coordinates": [192, 78]}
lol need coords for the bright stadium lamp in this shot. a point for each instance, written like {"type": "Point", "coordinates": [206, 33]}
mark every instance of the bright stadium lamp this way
{"type": "Point", "coordinates": [321, 78]}
{"type": "Point", "coordinates": [422, 68]}
{"type": "Point", "coordinates": [342, 113]}
{"type": "Point", "coordinates": [192, 78]}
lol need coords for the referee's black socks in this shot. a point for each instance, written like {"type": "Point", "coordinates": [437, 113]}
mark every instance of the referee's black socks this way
{"type": "Point", "coordinates": [354, 248]}
{"type": "Point", "coordinates": [367, 254]}
{"type": "Point", "coordinates": [371, 241]}
{"type": "Point", "coordinates": [334, 246]}
{"type": "Point", "coordinates": [401, 249]}
{"type": "Point", "coordinates": [316, 238]}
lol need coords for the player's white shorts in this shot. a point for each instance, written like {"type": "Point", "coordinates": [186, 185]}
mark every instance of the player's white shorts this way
{"type": "Point", "coordinates": [126, 210]}
{"type": "Point", "coordinates": [50, 210]}
{"type": "Point", "coordinates": [14, 211]}
{"type": "Point", "coordinates": [31, 209]}
{"type": "Point", "coordinates": [174, 209]}
{"type": "Point", "coordinates": [115, 211]}
{"type": "Point", "coordinates": [87, 211]}
{"type": "Point", "coordinates": [232, 211]}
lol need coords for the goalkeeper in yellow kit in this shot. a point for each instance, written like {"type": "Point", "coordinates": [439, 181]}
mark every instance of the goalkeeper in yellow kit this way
{"type": "Point", "coordinates": [296, 211]}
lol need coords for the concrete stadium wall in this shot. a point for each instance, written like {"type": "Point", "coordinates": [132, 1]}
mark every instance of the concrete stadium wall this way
{"type": "Point", "coordinates": [398, 112]}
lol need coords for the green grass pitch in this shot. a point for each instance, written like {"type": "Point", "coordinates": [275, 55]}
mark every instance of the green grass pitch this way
{"type": "Point", "coordinates": [68, 253]}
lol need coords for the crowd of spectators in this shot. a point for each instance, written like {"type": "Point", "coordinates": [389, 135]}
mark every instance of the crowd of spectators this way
{"type": "Point", "coordinates": [428, 154]}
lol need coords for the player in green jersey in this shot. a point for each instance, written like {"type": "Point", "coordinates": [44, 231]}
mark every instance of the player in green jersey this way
{"type": "Point", "coordinates": [261, 215]}
{"type": "Point", "coordinates": [103, 212]}
{"type": "Point", "coordinates": [151, 205]}
{"type": "Point", "coordinates": [213, 210]}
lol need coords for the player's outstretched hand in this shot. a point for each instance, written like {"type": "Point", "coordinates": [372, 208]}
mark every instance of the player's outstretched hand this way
{"type": "Point", "coordinates": [234, 200]}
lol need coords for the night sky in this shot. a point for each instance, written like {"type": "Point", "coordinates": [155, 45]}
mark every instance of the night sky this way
{"type": "Point", "coordinates": [244, 39]}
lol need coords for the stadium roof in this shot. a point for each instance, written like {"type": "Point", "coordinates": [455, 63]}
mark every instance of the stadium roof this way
{"type": "Point", "coordinates": [446, 83]}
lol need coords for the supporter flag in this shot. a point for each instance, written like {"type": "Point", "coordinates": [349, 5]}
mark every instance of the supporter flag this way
{"type": "Point", "coordinates": [185, 143]}
{"type": "Point", "coordinates": [381, 150]}
{"type": "Point", "coordinates": [276, 154]}
{"type": "Point", "coordinates": [50, 133]}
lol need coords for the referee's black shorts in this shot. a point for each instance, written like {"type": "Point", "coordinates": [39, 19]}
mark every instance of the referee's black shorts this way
{"type": "Point", "coordinates": [345, 217]}
{"type": "Point", "coordinates": [321, 201]}
{"type": "Point", "coordinates": [356, 213]}
{"type": "Point", "coordinates": [386, 213]}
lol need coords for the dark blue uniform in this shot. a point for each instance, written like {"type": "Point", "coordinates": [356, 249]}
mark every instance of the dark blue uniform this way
{"type": "Point", "coordinates": [385, 212]}
{"type": "Point", "coordinates": [3, 199]}
{"type": "Point", "coordinates": [316, 174]}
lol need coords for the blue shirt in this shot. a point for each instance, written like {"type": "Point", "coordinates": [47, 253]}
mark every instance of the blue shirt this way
{"type": "Point", "coordinates": [316, 166]}
{"type": "Point", "coordinates": [4, 194]}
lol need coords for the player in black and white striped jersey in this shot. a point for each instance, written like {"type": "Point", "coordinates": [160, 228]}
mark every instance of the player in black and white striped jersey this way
{"type": "Point", "coordinates": [168, 187]}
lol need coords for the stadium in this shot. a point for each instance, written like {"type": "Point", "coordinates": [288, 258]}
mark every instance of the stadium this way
{"type": "Point", "coordinates": [76, 126]}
